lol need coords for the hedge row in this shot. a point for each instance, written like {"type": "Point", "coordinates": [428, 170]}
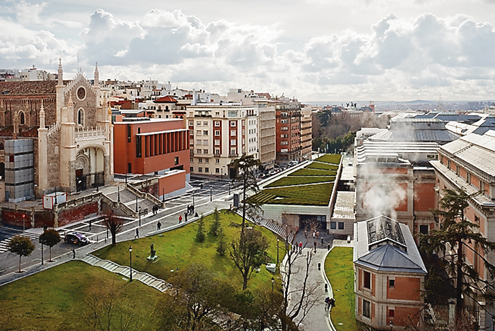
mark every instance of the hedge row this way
{"type": "Point", "coordinates": [330, 158]}
{"type": "Point", "coordinates": [317, 195]}
{"type": "Point", "coordinates": [313, 172]}
{"type": "Point", "coordinates": [297, 180]}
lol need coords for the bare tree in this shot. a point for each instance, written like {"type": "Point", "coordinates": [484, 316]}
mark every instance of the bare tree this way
{"type": "Point", "coordinates": [106, 308]}
{"type": "Point", "coordinates": [295, 285]}
{"type": "Point", "coordinates": [114, 225]}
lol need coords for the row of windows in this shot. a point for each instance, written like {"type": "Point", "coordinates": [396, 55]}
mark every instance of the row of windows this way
{"type": "Point", "coordinates": [468, 178]}
{"type": "Point", "coordinates": [367, 310]}
{"type": "Point", "coordinates": [200, 160]}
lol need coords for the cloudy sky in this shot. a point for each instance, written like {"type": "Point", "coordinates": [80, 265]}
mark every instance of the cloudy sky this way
{"type": "Point", "coordinates": [314, 50]}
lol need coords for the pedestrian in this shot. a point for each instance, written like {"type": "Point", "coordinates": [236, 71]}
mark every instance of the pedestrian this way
{"type": "Point", "coordinates": [315, 246]}
{"type": "Point", "coordinates": [317, 234]}
{"type": "Point", "coordinates": [180, 219]}
{"type": "Point", "coordinates": [300, 247]}
{"type": "Point", "coordinates": [158, 225]}
{"type": "Point", "coordinates": [73, 253]}
{"type": "Point", "coordinates": [185, 217]}
{"type": "Point", "coordinates": [90, 225]}
{"type": "Point", "coordinates": [196, 215]}
{"type": "Point", "coordinates": [137, 233]}
{"type": "Point", "coordinates": [314, 234]}
{"type": "Point", "coordinates": [321, 242]}
{"type": "Point", "coordinates": [327, 303]}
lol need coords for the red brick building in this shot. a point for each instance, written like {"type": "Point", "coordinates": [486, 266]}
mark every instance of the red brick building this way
{"type": "Point", "coordinates": [389, 274]}
{"type": "Point", "coordinates": [153, 146]}
{"type": "Point", "coordinates": [288, 131]}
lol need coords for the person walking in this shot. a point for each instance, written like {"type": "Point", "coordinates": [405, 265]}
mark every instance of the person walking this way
{"type": "Point", "coordinates": [158, 225]}
{"type": "Point", "coordinates": [315, 246]}
{"type": "Point", "coordinates": [73, 253]}
{"type": "Point", "coordinates": [180, 219]}
{"type": "Point", "coordinates": [90, 223]}
{"type": "Point", "coordinates": [300, 247]}
{"type": "Point", "coordinates": [137, 233]}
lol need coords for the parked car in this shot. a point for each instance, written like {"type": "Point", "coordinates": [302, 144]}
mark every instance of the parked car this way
{"type": "Point", "coordinates": [76, 239]}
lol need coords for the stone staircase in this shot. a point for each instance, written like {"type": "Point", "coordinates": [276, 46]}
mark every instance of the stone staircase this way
{"type": "Point", "coordinates": [125, 271]}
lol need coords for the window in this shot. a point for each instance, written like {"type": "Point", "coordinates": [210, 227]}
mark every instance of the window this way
{"type": "Point", "coordinates": [457, 170]}
{"type": "Point", "coordinates": [233, 151]}
{"type": "Point", "coordinates": [341, 225]}
{"type": "Point", "coordinates": [391, 313]}
{"type": "Point", "coordinates": [207, 160]}
{"type": "Point", "coordinates": [391, 283]}
{"type": "Point", "coordinates": [217, 151]}
{"type": "Point", "coordinates": [198, 143]}
{"type": "Point", "coordinates": [80, 117]}
{"type": "Point", "coordinates": [448, 164]}
{"type": "Point", "coordinates": [191, 142]}
{"type": "Point", "coordinates": [205, 123]}
{"type": "Point", "coordinates": [366, 309]}
{"type": "Point", "coordinates": [366, 280]}
{"type": "Point", "coordinates": [198, 132]}
{"type": "Point", "coordinates": [333, 225]}
{"type": "Point", "coordinates": [217, 123]}
{"type": "Point", "coordinates": [176, 160]}
{"type": "Point", "coordinates": [200, 169]}
{"type": "Point", "coordinates": [476, 219]}
{"type": "Point", "coordinates": [191, 169]}
{"type": "Point", "coordinates": [232, 132]}
{"type": "Point", "coordinates": [232, 113]}
{"type": "Point", "coordinates": [205, 142]}
{"type": "Point", "coordinates": [233, 141]}
{"type": "Point", "coordinates": [198, 151]}
{"type": "Point", "coordinates": [191, 123]}
{"type": "Point", "coordinates": [232, 123]}
{"type": "Point", "coordinates": [129, 168]}
{"type": "Point", "coordinates": [217, 142]}
{"type": "Point", "coordinates": [191, 160]}
{"type": "Point", "coordinates": [284, 128]}
{"type": "Point", "coordinates": [207, 170]}
{"type": "Point", "coordinates": [284, 121]}
{"type": "Point", "coordinates": [205, 132]}
{"type": "Point", "coordinates": [468, 178]}
{"type": "Point", "coordinates": [198, 123]}
{"type": "Point", "coordinates": [217, 161]}
{"type": "Point", "coordinates": [217, 133]}
{"type": "Point", "coordinates": [205, 151]}
{"type": "Point", "coordinates": [200, 160]}
{"type": "Point", "coordinates": [284, 143]}
{"type": "Point", "coordinates": [217, 170]}
{"type": "Point", "coordinates": [423, 229]}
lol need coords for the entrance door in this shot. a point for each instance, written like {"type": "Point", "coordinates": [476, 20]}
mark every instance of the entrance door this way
{"type": "Point", "coordinates": [80, 180]}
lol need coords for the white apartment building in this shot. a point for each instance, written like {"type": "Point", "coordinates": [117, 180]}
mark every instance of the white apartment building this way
{"type": "Point", "coordinates": [220, 134]}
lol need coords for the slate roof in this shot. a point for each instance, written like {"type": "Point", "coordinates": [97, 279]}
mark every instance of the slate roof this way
{"type": "Point", "coordinates": [389, 253]}
{"type": "Point", "coordinates": [477, 150]}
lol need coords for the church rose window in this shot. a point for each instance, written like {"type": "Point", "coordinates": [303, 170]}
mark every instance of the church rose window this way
{"type": "Point", "coordinates": [81, 93]}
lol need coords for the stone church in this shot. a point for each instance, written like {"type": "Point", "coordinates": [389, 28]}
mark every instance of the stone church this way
{"type": "Point", "coordinates": [55, 136]}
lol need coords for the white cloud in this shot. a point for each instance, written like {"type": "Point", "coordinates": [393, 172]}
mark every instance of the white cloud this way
{"type": "Point", "coordinates": [28, 13]}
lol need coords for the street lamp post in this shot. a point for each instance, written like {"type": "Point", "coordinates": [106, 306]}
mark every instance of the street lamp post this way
{"type": "Point", "coordinates": [163, 195]}
{"type": "Point", "coordinates": [210, 195]}
{"type": "Point", "coordinates": [136, 203]}
{"type": "Point", "coordinates": [130, 263]}
{"type": "Point", "coordinates": [23, 222]}
{"type": "Point", "coordinates": [229, 187]}
{"type": "Point", "coordinates": [193, 197]}
{"type": "Point", "coordinates": [273, 281]}
{"type": "Point", "coordinates": [118, 193]}
{"type": "Point", "coordinates": [139, 216]}
{"type": "Point", "coordinates": [277, 250]}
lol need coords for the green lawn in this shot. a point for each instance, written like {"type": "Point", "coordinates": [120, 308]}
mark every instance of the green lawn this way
{"type": "Point", "coordinates": [296, 180]}
{"type": "Point", "coordinates": [330, 158]}
{"type": "Point", "coordinates": [322, 165]}
{"type": "Point", "coordinates": [55, 298]}
{"type": "Point", "coordinates": [178, 248]}
{"type": "Point", "coordinates": [317, 195]}
{"type": "Point", "coordinates": [339, 270]}
{"type": "Point", "coordinates": [314, 172]}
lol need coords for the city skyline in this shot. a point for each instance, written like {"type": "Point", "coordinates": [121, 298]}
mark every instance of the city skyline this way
{"type": "Point", "coordinates": [313, 50]}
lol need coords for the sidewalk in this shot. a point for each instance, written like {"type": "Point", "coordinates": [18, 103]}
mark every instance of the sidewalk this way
{"type": "Point", "coordinates": [168, 219]}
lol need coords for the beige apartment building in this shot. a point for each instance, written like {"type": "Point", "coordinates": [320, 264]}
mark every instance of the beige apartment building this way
{"type": "Point", "coordinates": [267, 137]}
{"type": "Point", "coordinates": [220, 134]}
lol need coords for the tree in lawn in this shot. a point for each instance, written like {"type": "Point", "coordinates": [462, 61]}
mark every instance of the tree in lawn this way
{"type": "Point", "coordinates": [457, 234]}
{"type": "Point", "coordinates": [20, 245]}
{"type": "Point", "coordinates": [248, 253]}
{"type": "Point", "coordinates": [215, 226]}
{"type": "Point", "coordinates": [50, 237]}
{"type": "Point", "coordinates": [298, 295]}
{"type": "Point", "coordinates": [196, 297]}
{"type": "Point", "coordinates": [221, 243]}
{"type": "Point", "coordinates": [200, 233]}
{"type": "Point", "coordinates": [114, 225]}
{"type": "Point", "coordinates": [245, 167]}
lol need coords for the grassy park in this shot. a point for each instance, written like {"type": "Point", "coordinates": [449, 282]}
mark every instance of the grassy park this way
{"type": "Point", "coordinates": [339, 270]}
{"type": "Point", "coordinates": [177, 249]}
{"type": "Point", "coordinates": [59, 299]}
